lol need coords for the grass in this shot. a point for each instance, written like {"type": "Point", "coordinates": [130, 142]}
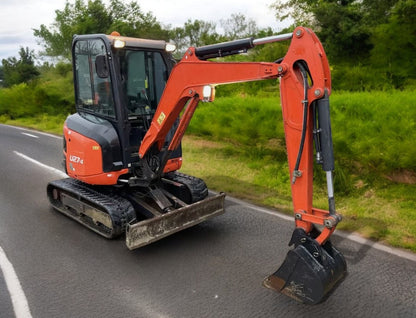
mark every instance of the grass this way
{"type": "Point", "coordinates": [383, 211]}
{"type": "Point", "coordinates": [236, 144]}
{"type": "Point", "coordinates": [377, 129]}
{"type": "Point", "coordinates": [374, 139]}
{"type": "Point", "coordinates": [223, 169]}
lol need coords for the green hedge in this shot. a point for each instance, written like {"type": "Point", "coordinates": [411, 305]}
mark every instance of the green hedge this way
{"type": "Point", "coordinates": [373, 131]}
{"type": "Point", "coordinates": [52, 94]}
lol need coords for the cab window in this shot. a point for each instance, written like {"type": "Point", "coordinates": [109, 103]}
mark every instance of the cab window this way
{"type": "Point", "coordinates": [144, 75]}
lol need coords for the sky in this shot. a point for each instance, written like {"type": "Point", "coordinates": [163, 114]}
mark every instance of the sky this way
{"type": "Point", "coordinates": [19, 18]}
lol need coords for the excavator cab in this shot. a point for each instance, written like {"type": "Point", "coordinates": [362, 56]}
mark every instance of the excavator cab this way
{"type": "Point", "coordinates": [119, 85]}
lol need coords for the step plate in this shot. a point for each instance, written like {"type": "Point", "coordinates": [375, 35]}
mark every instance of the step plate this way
{"type": "Point", "coordinates": [149, 231]}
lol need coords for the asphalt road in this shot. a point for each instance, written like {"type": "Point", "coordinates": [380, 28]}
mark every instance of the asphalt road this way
{"type": "Point", "coordinates": [212, 270]}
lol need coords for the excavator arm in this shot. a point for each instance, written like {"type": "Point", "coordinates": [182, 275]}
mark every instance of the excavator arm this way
{"type": "Point", "coordinates": [313, 267]}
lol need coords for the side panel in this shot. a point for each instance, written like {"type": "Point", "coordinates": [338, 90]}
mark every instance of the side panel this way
{"type": "Point", "coordinates": [103, 133]}
{"type": "Point", "coordinates": [83, 155]}
{"type": "Point", "coordinates": [92, 151]}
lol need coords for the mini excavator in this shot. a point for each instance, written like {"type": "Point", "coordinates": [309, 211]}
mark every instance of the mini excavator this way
{"type": "Point", "coordinates": [122, 148]}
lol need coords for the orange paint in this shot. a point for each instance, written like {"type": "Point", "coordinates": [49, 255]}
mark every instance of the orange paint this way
{"type": "Point", "coordinates": [84, 160]}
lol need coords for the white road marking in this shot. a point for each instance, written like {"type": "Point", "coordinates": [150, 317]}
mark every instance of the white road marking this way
{"type": "Point", "coordinates": [31, 130]}
{"type": "Point", "coordinates": [378, 246]}
{"type": "Point", "coordinates": [349, 236]}
{"type": "Point", "coordinates": [19, 301]}
{"type": "Point", "coordinates": [262, 210]}
{"type": "Point", "coordinates": [30, 135]}
{"type": "Point", "coordinates": [40, 164]}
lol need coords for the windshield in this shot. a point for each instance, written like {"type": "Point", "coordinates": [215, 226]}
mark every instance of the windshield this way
{"type": "Point", "coordinates": [144, 76]}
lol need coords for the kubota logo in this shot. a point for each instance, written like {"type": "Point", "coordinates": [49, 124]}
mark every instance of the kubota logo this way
{"type": "Point", "coordinates": [76, 159]}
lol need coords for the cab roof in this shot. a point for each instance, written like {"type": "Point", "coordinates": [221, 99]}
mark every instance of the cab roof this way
{"type": "Point", "coordinates": [138, 42]}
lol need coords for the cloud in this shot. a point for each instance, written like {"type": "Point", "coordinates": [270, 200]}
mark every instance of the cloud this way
{"type": "Point", "coordinates": [10, 44]}
{"type": "Point", "coordinates": [19, 18]}
{"type": "Point", "coordinates": [177, 13]}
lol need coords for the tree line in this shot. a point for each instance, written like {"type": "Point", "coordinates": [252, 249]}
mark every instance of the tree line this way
{"type": "Point", "coordinates": [370, 43]}
{"type": "Point", "coordinates": [376, 36]}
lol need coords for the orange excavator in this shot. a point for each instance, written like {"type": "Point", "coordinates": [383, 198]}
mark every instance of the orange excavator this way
{"type": "Point", "coordinates": [122, 149]}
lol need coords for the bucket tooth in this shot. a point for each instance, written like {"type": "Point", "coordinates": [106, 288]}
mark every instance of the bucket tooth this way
{"type": "Point", "coordinates": [308, 277]}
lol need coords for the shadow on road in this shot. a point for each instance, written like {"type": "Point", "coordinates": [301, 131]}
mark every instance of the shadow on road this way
{"type": "Point", "coordinates": [354, 253]}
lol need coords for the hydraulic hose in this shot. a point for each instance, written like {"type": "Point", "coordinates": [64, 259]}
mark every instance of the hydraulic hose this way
{"type": "Point", "coordinates": [296, 172]}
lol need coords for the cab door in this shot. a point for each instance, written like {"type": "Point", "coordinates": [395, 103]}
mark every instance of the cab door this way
{"type": "Point", "coordinates": [92, 79]}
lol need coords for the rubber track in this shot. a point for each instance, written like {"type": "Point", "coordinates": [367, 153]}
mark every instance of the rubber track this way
{"type": "Point", "coordinates": [120, 210]}
{"type": "Point", "coordinates": [196, 186]}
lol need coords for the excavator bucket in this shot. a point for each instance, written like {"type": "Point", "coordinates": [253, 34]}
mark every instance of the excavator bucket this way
{"type": "Point", "coordinates": [308, 274]}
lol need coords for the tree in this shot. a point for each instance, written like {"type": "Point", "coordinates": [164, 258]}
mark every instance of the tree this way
{"type": "Point", "coordinates": [1, 75]}
{"type": "Point", "coordinates": [299, 11]}
{"type": "Point", "coordinates": [377, 12]}
{"type": "Point", "coordinates": [94, 17]}
{"type": "Point", "coordinates": [129, 20]}
{"type": "Point", "coordinates": [342, 28]}
{"type": "Point", "coordinates": [75, 18]}
{"type": "Point", "coordinates": [194, 33]}
{"type": "Point", "coordinates": [395, 44]}
{"type": "Point", "coordinates": [238, 27]}
{"type": "Point", "coordinates": [21, 70]}
{"type": "Point", "coordinates": [341, 25]}
{"type": "Point", "coordinates": [200, 32]}
{"type": "Point", "coordinates": [179, 37]}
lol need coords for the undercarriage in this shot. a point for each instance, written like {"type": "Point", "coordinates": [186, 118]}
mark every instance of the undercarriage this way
{"type": "Point", "coordinates": [146, 215]}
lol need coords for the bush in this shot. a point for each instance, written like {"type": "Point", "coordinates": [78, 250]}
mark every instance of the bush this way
{"type": "Point", "coordinates": [19, 101]}
{"type": "Point", "coordinates": [359, 78]}
{"type": "Point", "coordinates": [375, 129]}
{"type": "Point", "coordinates": [52, 94]}
{"type": "Point", "coordinates": [245, 120]}
{"type": "Point", "coordinates": [373, 132]}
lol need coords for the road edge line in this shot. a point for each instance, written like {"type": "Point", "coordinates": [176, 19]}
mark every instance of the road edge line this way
{"type": "Point", "coordinates": [17, 295]}
{"type": "Point", "coordinates": [54, 170]}
{"type": "Point", "coordinates": [352, 236]}
{"type": "Point", "coordinates": [34, 130]}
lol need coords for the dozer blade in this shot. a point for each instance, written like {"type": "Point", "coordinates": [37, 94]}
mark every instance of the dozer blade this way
{"type": "Point", "coordinates": [158, 227]}
{"type": "Point", "coordinates": [307, 277]}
